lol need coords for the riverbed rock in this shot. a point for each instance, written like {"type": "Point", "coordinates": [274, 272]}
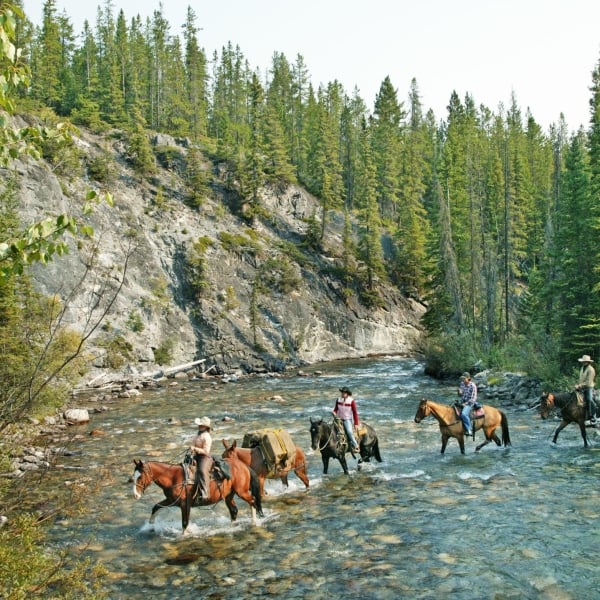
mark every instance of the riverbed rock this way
{"type": "Point", "coordinates": [76, 416]}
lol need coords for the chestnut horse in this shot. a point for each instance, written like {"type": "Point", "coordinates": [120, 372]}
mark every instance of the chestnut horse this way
{"type": "Point", "coordinates": [180, 491]}
{"type": "Point", "coordinates": [451, 424]}
{"type": "Point", "coordinates": [571, 411]}
{"type": "Point", "coordinates": [253, 457]}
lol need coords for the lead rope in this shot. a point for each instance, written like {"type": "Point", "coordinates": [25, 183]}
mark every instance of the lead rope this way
{"type": "Point", "coordinates": [328, 440]}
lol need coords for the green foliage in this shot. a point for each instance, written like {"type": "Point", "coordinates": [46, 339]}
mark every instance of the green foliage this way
{"type": "Point", "coordinates": [118, 349]}
{"type": "Point", "coordinates": [195, 268]}
{"type": "Point", "coordinates": [135, 322]}
{"type": "Point", "coordinates": [102, 168]}
{"type": "Point", "coordinates": [163, 355]}
{"type": "Point", "coordinates": [240, 244]}
{"type": "Point", "coordinates": [279, 274]}
{"type": "Point", "coordinates": [230, 300]}
{"type": "Point", "coordinates": [27, 571]}
{"type": "Point", "coordinates": [170, 158]}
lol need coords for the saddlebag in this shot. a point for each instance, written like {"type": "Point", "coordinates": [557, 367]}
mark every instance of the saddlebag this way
{"type": "Point", "coordinates": [277, 448]}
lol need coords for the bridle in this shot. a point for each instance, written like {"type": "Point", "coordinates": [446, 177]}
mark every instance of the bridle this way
{"type": "Point", "coordinates": [319, 426]}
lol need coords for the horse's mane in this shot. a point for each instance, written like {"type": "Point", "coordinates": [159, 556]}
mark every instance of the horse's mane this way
{"type": "Point", "coordinates": [562, 398]}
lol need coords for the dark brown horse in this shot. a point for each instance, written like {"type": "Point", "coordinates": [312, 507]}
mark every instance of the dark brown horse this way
{"type": "Point", "coordinates": [253, 457]}
{"type": "Point", "coordinates": [571, 411]}
{"type": "Point", "coordinates": [334, 444]}
{"type": "Point", "coordinates": [451, 424]}
{"type": "Point", "coordinates": [180, 490]}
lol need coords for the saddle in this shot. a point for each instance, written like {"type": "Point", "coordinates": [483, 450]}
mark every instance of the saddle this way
{"type": "Point", "coordinates": [219, 470]}
{"type": "Point", "coordinates": [477, 413]}
{"type": "Point", "coordinates": [344, 442]}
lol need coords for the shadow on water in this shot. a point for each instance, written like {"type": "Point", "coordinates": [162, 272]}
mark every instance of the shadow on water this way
{"type": "Point", "coordinates": [499, 524]}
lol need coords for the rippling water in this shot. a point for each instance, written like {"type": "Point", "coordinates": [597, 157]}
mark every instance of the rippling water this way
{"type": "Point", "coordinates": [503, 523]}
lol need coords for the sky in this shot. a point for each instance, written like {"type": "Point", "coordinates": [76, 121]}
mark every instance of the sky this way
{"type": "Point", "coordinates": [542, 52]}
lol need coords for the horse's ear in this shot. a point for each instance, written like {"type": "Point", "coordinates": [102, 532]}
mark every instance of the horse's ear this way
{"type": "Point", "coordinates": [225, 444]}
{"type": "Point", "coordinates": [234, 444]}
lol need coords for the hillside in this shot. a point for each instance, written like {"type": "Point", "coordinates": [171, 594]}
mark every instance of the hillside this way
{"type": "Point", "coordinates": [205, 282]}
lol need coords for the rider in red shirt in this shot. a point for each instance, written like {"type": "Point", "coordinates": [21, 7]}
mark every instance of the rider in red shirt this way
{"type": "Point", "coordinates": [345, 409]}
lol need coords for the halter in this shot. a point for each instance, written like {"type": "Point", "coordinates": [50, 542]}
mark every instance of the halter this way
{"type": "Point", "coordinates": [320, 448]}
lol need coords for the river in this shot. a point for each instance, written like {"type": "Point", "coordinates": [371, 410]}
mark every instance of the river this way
{"type": "Point", "coordinates": [517, 522]}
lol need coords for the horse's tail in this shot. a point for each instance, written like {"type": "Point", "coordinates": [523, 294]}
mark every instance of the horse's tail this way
{"type": "Point", "coordinates": [255, 491]}
{"type": "Point", "coordinates": [505, 434]}
{"type": "Point", "coordinates": [376, 452]}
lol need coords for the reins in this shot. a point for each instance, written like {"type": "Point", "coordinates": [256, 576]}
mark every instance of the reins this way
{"type": "Point", "coordinates": [320, 448]}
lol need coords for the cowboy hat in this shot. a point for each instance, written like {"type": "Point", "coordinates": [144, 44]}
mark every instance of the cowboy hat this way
{"type": "Point", "coordinates": [466, 375]}
{"type": "Point", "coordinates": [203, 422]}
{"type": "Point", "coordinates": [345, 390]}
{"type": "Point", "coordinates": [585, 358]}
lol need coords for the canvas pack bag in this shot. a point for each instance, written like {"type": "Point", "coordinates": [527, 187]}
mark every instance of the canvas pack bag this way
{"type": "Point", "coordinates": [277, 448]}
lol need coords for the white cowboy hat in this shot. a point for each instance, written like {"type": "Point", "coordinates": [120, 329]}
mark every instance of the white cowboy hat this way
{"type": "Point", "coordinates": [585, 358]}
{"type": "Point", "coordinates": [203, 422]}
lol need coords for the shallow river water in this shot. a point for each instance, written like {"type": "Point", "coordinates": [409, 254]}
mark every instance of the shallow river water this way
{"type": "Point", "coordinates": [520, 522]}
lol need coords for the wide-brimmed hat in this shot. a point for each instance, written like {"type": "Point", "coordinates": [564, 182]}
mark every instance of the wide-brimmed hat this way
{"type": "Point", "coordinates": [585, 358]}
{"type": "Point", "coordinates": [203, 422]}
{"type": "Point", "coordinates": [345, 390]}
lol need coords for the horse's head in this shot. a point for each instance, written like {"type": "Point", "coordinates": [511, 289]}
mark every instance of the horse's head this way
{"type": "Point", "coordinates": [423, 411]}
{"type": "Point", "coordinates": [315, 432]}
{"type": "Point", "coordinates": [229, 450]}
{"type": "Point", "coordinates": [546, 404]}
{"type": "Point", "coordinates": [142, 478]}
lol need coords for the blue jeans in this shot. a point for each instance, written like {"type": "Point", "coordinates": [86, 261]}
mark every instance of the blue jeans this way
{"type": "Point", "coordinates": [465, 415]}
{"type": "Point", "coordinates": [349, 432]}
{"type": "Point", "coordinates": [588, 394]}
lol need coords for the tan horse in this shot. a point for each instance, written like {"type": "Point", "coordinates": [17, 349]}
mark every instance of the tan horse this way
{"type": "Point", "coordinates": [451, 424]}
{"type": "Point", "coordinates": [253, 457]}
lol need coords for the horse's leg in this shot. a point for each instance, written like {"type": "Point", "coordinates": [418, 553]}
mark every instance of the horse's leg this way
{"type": "Point", "coordinates": [461, 442]}
{"type": "Point", "coordinates": [485, 442]}
{"type": "Point", "coordinates": [302, 475]}
{"type": "Point", "coordinates": [284, 480]}
{"type": "Point", "coordinates": [230, 503]}
{"type": "Point", "coordinates": [156, 508]}
{"type": "Point", "coordinates": [445, 442]}
{"type": "Point", "coordinates": [186, 507]}
{"type": "Point", "coordinates": [342, 459]}
{"type": "Point", "coordinates": [583, 433]}
{"type": "Point", "coordinates": [325, 459]}
{"type": "Point", "coordinates": [562, 425]}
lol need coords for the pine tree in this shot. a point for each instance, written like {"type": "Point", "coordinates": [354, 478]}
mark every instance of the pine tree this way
{"type": "Point", "coordinates": [196, 78]}
{"type": "Point", "coordinates": [387, 125]}
{"type": "Point", "coordinates": [369, 244]}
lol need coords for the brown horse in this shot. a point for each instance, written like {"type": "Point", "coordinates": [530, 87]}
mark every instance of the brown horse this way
{"type": "Point", "coordinates": [451, 424]}
{"type": "Point", "coordinates": [571, 411]}
{"type": "Point", "coordinates": [253, 457]}
{"type": "Point", "coordinates": [181, 491]}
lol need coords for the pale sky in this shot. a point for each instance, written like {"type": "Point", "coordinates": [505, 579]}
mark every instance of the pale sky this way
{"type": "Point", "coordinates": [543, 51]}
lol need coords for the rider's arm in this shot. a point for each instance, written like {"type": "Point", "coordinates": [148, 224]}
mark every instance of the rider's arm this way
{"type": "Point", "coordinates": [354, 413]}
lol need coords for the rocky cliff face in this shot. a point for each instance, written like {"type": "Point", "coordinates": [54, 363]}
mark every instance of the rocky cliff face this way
{"type": "Point", "coordinates": [222, 299]}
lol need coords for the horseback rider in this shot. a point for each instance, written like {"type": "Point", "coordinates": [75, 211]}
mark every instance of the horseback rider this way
{"type": "Point", "coordinates": [468, 397]}
{"type": "Point", "coordinates": [200, 447]}
{"type": "Point", "coordinates": [585, 384]}
{"type": "Point", "coordinates": [345, 409]}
